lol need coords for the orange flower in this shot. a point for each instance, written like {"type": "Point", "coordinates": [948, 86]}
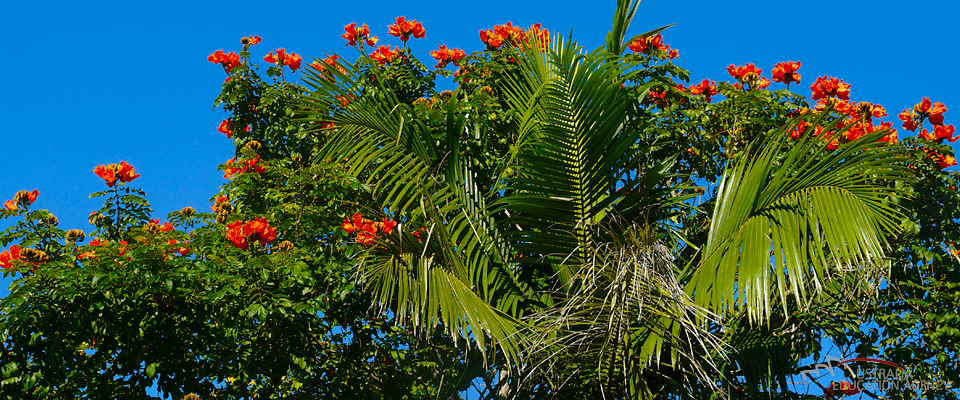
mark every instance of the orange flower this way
{"type": "Point", "coordinates": [166, 227]}
{"type": "Point", "coordinates": [7, 257]}
{"type": "Point", "coordinates": [225, 129]}
{"type": "Point", "coordinates": [653, 45]}
{"type": "Point", "coordinates": [216, 205]}
{"type": "Point", "coordinates": [258, 229]}
{"type": "Point", "coordinates": [831, 87]}
{"type": "Point", "coordinates": [236, 235]}
{"type": "Point", "coordinates": [252, 40]}
{"type": "Point", "coordinates": [365, 229]}
{"type": "Point", "coordinates": [936, 113]}
{"type": "Point", "coordinates": [328, 64]}
{"type": "Point", "coordinates": [940, 159]}
{"type": "Point", "coordinates": [232, 167]}
{"type": "Point", "coordinates": [500, 34]}
{"type": "Point", "coordinates": [357, 35]}
{"type": "Point", "coordinates": [940, 132]}
{"type": "Point", "coordinates": [282, 58]}
{"type": "Point", "coordinates": [403, 29]}
{"type": "Point", "coordinates": [445, 55]}
{"type": "Point", "coordinates": [705, 88]}
{"type": "Point", "coordinates": [10, 205]}
{"type": "Point", "coordinates": [786, 72]}
{"type": "Point", "coordinates": [229, 61]}
{"type": "Point", "coordinates": [748, 74]}
{"type": "Point", "coordinates": [113, 173]}
{"type": "Point", "coordinates": [384, 55]}
{"type": "Point", "coordinates": [909, 119]}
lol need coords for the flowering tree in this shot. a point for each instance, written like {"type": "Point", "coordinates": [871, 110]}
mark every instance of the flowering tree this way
{"type": "Point", "coordinates": [565, 223]}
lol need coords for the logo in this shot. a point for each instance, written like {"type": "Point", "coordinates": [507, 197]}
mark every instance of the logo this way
{"type": "Point", "coordinates": [869, 375]}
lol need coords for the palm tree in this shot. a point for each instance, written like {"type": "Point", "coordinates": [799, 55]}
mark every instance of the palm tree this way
{"type": "Point", "coordinates": [563, 257]}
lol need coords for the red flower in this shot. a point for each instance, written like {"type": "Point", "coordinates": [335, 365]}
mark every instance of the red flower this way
{"type": "Point", "coordinates": [282, 58]}
{"type": "Point", "coordinates": [651, 44]}
{"type": "Point", "coordinates": [831, 87]}
{"type": "Point", "coordinates": [384, 55]}
{"type": "Point", "coordinates": [10, 205]}
{"type": "Point", "coordinates": [229, 61]}
{"type": "Point", "coordinates": [258, 229]}
{"type": "Point", "coordinates": [940, 132]}
{"type": "Point", "coordinates": [328, 64]}
{"type": "Point", "coordinates": [909, 119]}
{"type": "Point", "coordinates": [403, 29]}
{"type": "Point", "coordinates": [236, 235]}
{"type": "Point", "coordinates": [748, 74]}
{"type": "Point", "coordinates": [786, 72]}
{"type": "Point", "coordinates": [940, 159]}
{"type": "Point", "coordinates": [357, 35]}
{"type": "Point", "coordinates": [500, 34]}
{"type": "Point", "coordinates": [234, 168]}
{"type": "Point", "coordinates": [8, 256]}
{"type": "Point", "coordinates": [936, 114]}
{"type": "Point", "coordinates": [252, 40]}
{"type": "Point", "coordinates": [113, 173]}
{"type": "Point", "coordinates": [445, 55]}
{"type": "Point", "coordinates": [705, 88]}
{"type": "Point", "coordinates": [166, 227]}
{"type": "Point", "coordinates": [365, 229]}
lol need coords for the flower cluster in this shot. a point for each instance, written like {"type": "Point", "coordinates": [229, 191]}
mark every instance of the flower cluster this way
{"type": "Point", "coordinates": [328, 64]}
{"type": "Point", "coordinates": [113, 173]}
{"type": "Point", "coordinates": [241, 234]}
{"type": "Point", "coordinates": [358, 35]}
{"type": "Point", "coordinates": [513, 35]}
{"type": "Point", "coordinates": [229, 61]}
{"type": "Point", "coordinates": [933, 112]}
{"type": "Point", "coordinates": [233, 167]}
{"type": "Point", "coordinates": [445, 55]}
{"type": "Point", "coordinates": [830, 87]}
{"type": "Point", "coordinates": [748, 74]}
{"type": "Point", "coordinates": [705, 88]}
{"type": "Point", "coordinates": [155, 227]}
{"type": "Point", "coordinates": [404, 29]}
{"type": "Point", "coordinates": [23, 198]}
{"type": "Point", "coordinates": [177, 249]}
{"type": "Point", "coordinates": [282, 58]}
{"type": "Point", "coordinates": [384, 55]}
{"type": "Point", "coordinates": [251, 40]}
{"type": "Point", "coordinates": [366, 229]}
{"type": "Point", "coordinates": [224, 128]}
{"type": "Point", "coordinates": [786, 72]}
{"type": "Point", "coordinates": [941, 160]}
{"type": "Point", "coordinates": [8, 256]}
{"type": "Point", "coordinates": [653, 45]}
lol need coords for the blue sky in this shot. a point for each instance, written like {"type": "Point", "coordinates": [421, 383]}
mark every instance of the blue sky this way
{"type": "Point", "coordinates": [99, 82]}
{"type": "Point", "coordinates": [91, 83]}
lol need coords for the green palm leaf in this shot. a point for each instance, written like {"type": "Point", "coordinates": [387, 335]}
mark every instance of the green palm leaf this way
{"type": "Point", "coordinates": [784, 223]}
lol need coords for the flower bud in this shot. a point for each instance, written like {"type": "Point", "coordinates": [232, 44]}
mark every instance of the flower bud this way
{"type": "Point", "coordinates": [187, 211]}
{"type": "Point", "coordinates": [252, 147]}
{"type": "Point", "coordinates": [244, 40]}
{"type": "Point", "coordinates": [446, 94]}
{"type": "Point", "coordinates": [21, 197]}
{"type": "Point", "coordinates": [221, 218]}
{"type": "Point", "coordinates": [75, 235]}
{"type": "Point", "coordinates": [285, 245]}
{"type": "Point", "coordinates": [487, 90]}
{"type": "Point", "coordinates": [296, 158]}
{"type": "Point", "coordinates": [51, 220]}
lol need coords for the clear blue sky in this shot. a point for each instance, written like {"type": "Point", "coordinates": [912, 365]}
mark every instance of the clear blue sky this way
{"type": "Point", "coordinates": [90, 83]}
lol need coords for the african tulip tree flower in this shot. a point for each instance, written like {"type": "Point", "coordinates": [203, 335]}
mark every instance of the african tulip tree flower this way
{"type": "Point", "coordinates": [786, 72]}
{"type": "Point", "coordinates": [366, 229]}
{"type": "Point", "coordinates": [282, 58]}
{"type": "Point", "coordinates": [445, 55]}
{"type": "Point", "coordinates": [327, 66]}
{"type": "Point", "coordinates": [113, 173]}
{"type": "Point", "coordinates": [229, 61]}
{"type": "Point", "coordinates": [8, 256]}
{"type": "Point", "coordinates": [500, 34]}
{"type": "Point", "coordinates": [250, 40]}
{"type": "Point", "coordinates": [233, 167]}
{"type": "Point", "coordinates": [357, 35]}
{"type": "Point", "coordinates": [705, 88]}
{"type": "Point", "coordinates": [384, 55]}
{"type": "Point", "coordinates": [830, 87]}
{"type": "Point", "coordinates": [653, 45]}
{"type": "Point", "coordinates": [748, 74]}
{"type": "Point", "coordinates": [241, 234]}
{"type": "Point", "coordinates": [404, 29]}
{"type": "Point", "coordinates": [22, 198]}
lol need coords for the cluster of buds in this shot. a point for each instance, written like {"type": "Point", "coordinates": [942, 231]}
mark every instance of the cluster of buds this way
{"type": "Point", "coordinates": [366, 229]}
{"type": "Point", "coordinates": [15, 253]}
{"type": "Point", "coordinates": [75, 236]}
{"type": "Point", "coordinates": [154, 226]}
{"type": "Point", "coordinates": [22, 198]}
{"type": "Point", "coordinates": [223, 208]}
